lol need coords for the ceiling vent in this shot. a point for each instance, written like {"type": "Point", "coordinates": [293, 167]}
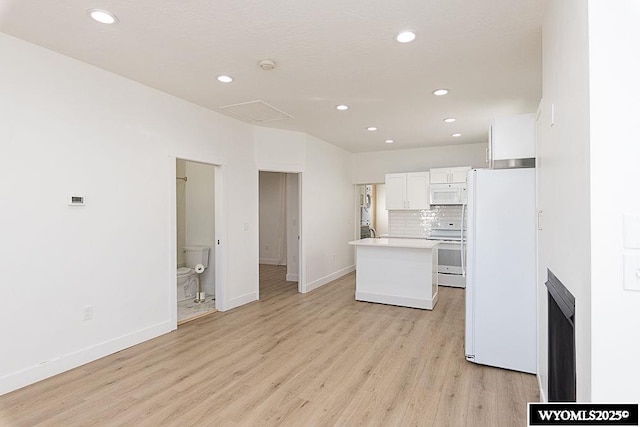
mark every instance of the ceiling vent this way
{"type": "Point", "coordinates": [256, 112]}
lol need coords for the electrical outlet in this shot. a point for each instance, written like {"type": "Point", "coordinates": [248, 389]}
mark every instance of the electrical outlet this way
{"type": "Point", "coordinates": [333, 257]}
{"type": "Point", "coordinates": [87, 312]}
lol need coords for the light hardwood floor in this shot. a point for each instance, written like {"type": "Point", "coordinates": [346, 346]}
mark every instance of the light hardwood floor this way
{"type": "Point", "coordinates": [318, 359]}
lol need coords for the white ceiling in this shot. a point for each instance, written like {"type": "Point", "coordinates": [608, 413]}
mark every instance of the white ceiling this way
{"type": "Point", "coordinates": [329, 52]}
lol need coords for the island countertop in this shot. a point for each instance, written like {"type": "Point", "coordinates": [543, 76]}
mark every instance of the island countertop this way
{"type": "Point", "coordinates": [396, 243]}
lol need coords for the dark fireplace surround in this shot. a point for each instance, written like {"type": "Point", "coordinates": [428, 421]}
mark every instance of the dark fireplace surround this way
{"type": "Point", "coordinates": [561, 336]}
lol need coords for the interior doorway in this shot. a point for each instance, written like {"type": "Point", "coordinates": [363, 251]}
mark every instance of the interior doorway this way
{"type": "Point", "coordinates": [371, 214]}
{"type": "Point", "coordinates": [196, 247]}
{"type": "Point", "coordinates": [279, 229]}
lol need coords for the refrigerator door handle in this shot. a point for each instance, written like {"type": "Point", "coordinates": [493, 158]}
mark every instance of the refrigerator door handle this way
{"type": "Point", "coordinates": [462, 242]}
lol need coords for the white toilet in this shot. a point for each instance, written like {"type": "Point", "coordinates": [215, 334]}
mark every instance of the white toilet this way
{"type": "Point", "coordinates": [187, 279]}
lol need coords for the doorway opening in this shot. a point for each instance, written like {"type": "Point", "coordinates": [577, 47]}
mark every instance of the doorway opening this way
{"type": "Point", "coordinates": [279, 233]}
{"type": "Point", "coordinates": [372, 218]}
{"type": "Point", "coordinates": [195, 240]}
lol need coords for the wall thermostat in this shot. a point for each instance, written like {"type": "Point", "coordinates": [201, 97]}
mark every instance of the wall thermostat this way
{"type": "Point", "coordinates": [76, 200]}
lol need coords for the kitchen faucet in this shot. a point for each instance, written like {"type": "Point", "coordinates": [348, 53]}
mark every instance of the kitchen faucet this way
{"type": "Point", "coordinates": [373, 232]}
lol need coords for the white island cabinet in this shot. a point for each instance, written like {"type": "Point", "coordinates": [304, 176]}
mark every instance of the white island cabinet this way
{"type": "Point", "coordinates": [397, 271]}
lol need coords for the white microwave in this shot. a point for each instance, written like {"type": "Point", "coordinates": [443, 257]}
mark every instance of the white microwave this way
{"type": "Point", "coordinates": [448, 194]}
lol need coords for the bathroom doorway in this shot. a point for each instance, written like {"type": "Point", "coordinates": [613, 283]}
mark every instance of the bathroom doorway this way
{"type": "Point", "coordinates": [195, 239]}
{"type": "Point", "coordinates": [279, 231]}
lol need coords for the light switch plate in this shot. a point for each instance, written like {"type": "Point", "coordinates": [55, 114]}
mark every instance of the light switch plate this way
{"type": "Point", "coordinates": [631, 272]}
{"type": "Point", "coordinates": [631, 231]}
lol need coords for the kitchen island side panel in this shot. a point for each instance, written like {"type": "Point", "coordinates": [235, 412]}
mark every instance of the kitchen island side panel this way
{"type": "Point", "coordinates": [398, 276]}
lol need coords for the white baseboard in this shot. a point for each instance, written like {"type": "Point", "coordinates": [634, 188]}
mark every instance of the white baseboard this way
{"type": "Point", "coordinates": [241, 300]}
{"type": "Point", "coordinates": [395, 300]}
{"type": "Point", "coordinates": [326, 279]}
{"type": "Point", "coordinates": [69, 361]}
{"type": "Point", "coordinates": [291, 277]}
{"type": "Point", "coordinates": [269, 261]}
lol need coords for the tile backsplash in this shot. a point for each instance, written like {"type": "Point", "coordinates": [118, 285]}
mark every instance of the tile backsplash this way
{"type": "Point", "coordinates": [419, 223]}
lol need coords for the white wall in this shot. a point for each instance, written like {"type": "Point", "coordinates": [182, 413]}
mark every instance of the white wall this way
{"type": "Point", "coordinates": [369, 168]}
{"type": "Point", "coordinates": [564, 177]}
{"type": "Point", "coordinates": [200, 216]}
{"type": "Point", "coordinates": [293, 230]}
{"type": "Point", "coordinates": [272, 195]}
{"type": "Point", "coordinates": [614, 32]}
{"type": "Point", "coordinates": [68, 127]}
{"type": "Point", "coordinates": [327, 213]}
{"type": "Point", "coordinates": [327, 200]}
{"type": "Point", "coordinates": [590, 77]}
{"type": "Point", "coordinates": [279, 150]}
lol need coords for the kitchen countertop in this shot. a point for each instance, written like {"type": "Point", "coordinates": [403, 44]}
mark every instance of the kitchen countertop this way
{"type": "Point", "coordinates": [437, 239]}
{"type": "Point", "coordinates": [396, 243]}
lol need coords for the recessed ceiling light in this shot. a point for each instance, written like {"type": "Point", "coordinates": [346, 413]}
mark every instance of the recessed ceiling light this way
{"type": "Point", "coordinates": [449, 120]}
{"type": "Point", "coordinates": [440, 92]}
{"type": "Point", "coordinates": [342, 107]}
{"type": "Point", "coordinates": [102, 16]}
{"type": "Point", "coordinates": [389, 141]}
{"type": "Point", "coordinates": [406, 37]}
{"type": "Point", "coordinates": [456, 135]}
{"type": "Point", "coordinates": [372, 128]}
{"type": "Point", "coordinates": [225, 79]}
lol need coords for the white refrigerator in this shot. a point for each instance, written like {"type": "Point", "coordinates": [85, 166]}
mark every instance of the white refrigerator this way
{"type": "Point", "coordinates": [501, 269]}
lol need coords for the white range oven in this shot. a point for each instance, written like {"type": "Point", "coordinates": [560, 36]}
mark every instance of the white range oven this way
{"type": "Point", "coordinates": [450, 264]}
{"type": "Point", "coordinates": [450, 255]}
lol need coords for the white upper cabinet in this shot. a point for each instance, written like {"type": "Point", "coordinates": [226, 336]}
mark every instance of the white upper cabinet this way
{"type": "Point", "coordinates": [407, 191]}
{"type": "Point", "coordinates": [459, 174]}
{"type": "Point", "coordinates": [418, 190]}
{"type": "Point", "coordinates": [395, 191]}
{"type": "Point", "coordinates": [512, 137]}
{"type": "Point", "coordinates": [439, 176]}
{"type": "Point", "coordinates": [449, 175]}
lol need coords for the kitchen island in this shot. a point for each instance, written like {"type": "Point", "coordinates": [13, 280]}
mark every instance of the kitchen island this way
{"type": "Point", "coordinates": [397, 271]}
